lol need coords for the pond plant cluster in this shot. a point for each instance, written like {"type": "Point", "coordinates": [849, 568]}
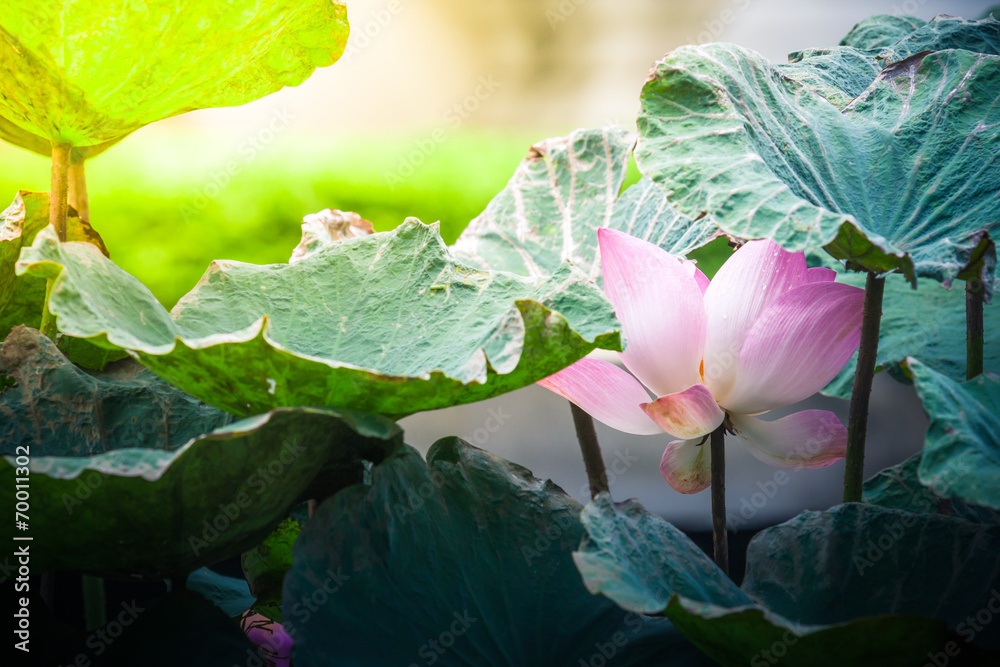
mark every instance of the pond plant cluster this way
{"type": "Point", "coordinates": [860, 183]}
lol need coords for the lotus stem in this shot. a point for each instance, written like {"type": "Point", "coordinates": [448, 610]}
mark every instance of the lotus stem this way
{"type": "Point", "coordinates": [94, 613]}
{"type": "Point", "coordinates": [59, 188]}
{"type": "Point", "coordinates": [78, 186]}
{"type": "Point", "coordinates": [48, 324]}
{"type": "Point", "coordinates": [857, 419]}
{"type": "Point", "coordinates": [974, 293]}
{"type": "Point", "coordinates": [597, 474]}
{"type": "Point", "coordinates": [720, 538]}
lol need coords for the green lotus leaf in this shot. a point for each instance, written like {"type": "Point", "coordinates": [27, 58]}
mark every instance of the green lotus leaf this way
{"type": "Point", "coordinates": [899, 487]}
{"type": "Point", "coordinates": [112, 461]}
{"type": "Point", "coordinates": [467, 559]}
{"type": "Point", "coordinates": [57, 409]}
{"type": "Point", "coordinates": [839, 74]}
{"type": "Point", "coordinates": [842, 73]}
{"type": "Point", "coordinates": [880, 31]}
{"type": "Point", "coordinates": [961, 457]}
{"type": "Point", "coordinates": [736, 637]}
{"type": "Point", "coordinates": [646, 565]}
{"type": "Point", "coordinates": [856, 560]}
{"type": "Point", "coordinates": [560, 195]}
{"type": "Point", "coordinates": [87, 73]}
{"type": "Point", "coordinates": [946, 32]}
{"type": "Point", "coordinates": [230, 594]}
{"type": "Point", "coordinates": [389, 323]}
{"type": "Point", "coordinates": [877, 184]}
{"type": "Point", "coordinates": [266, 564]}
{"type": "Point", "coordinates": [22, 299]}
{"type": "Point", "coordinates": [927, 323]}
{"type": "Point", "coordinates": [639, 560]}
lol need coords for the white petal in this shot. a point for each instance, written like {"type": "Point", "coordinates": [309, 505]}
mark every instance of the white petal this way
{"type": "Point", "coordinates": [756, 274]}
{"type": "Point", "coordinates": [660, 306]}
{"type": "Point", "coordinates": [806, 439]}
{"type": "Point", "coordinates": [606, 393]}
{"type": "Point", "coordinates": [687, 465]}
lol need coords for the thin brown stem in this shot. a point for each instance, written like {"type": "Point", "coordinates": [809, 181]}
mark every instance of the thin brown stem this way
{"type": "Point", "coordinates": [597, 475]}
{"type": "Point", "coordinates": [974, 294]}
{"type": "Point", "coordinates": [59, 188]}
{"type": "Point", "coordinates": [720, 538]}
{"type": "Point", "coordinates": [857, 418]}
{"type": "Point", "coordinates": [78, 187]}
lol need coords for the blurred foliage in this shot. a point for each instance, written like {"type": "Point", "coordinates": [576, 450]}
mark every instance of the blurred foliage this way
{"type": "Point", "coordinates": [166, 205]}
{"type": "Point", "coordinates": [163, 204]}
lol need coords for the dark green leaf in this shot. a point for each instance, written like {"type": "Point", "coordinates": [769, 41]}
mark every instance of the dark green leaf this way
{"type": "Point", "coordinates": [899, 488]}
{"type": "Point", "coordinates": [962, 451]}
{"type": "Point", "coordinates": [229, 594]}
{"type": "Point", "coordinates": [647, 565]}
{"type": "Point", "coordinates": [863, 560]}
{"type": "Point", "coordinates": [742, 636]}
{"type": "Point", "coordinates": [464, 560]}
{"type": "Point", "coordinates": [116, 490]}
{"type": "Point", "coordinates": [639, 560]}
{"type": "Point", "coordinates": [388, 323]}
{"type": "Point", "coordinates": [927, 323]}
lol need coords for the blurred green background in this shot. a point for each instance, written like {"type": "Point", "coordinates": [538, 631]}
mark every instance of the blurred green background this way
{"type": "Point", "coordinates": [165, 208]}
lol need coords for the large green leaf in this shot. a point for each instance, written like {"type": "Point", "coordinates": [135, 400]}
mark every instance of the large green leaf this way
{"type": "Point", "coordinates": [57, 409]}
{"type": "Point", "coordinates": [899, 487]}
{"type": "Point", "coordinates": [863, 560]}
{"type": "Point", "coordinates": [388, 323]}
{"type": "Point", "coordinates": [119, 487]}
{"type": "Point", "coordinates": [880, 31]}
{"type": "Point", "coordinates": [961, 456]}
{"type": "Point", "coordinates": [946, 32]}
{"type": "Point", "coordinates": [927, 323]}
{"type": "Point", "coordinates": [266, 564]}
{"type": "Point", "coordinates": [639, 560]}
{"type": "Point", "coordinates": [905, 178]}
{"type": "Point", "coordinates": [646, 565]}
{"type": "Point", "coordinates": [842, 73]}
{"type": "Point", "coordinates": [85, 73]}
{"type": "Point", "coordinates": [557, 199]}
{"type": "Point", "coordinates": [742, 636]}
{"type": "Point", "coordinates": [230, 594]}
{"type": "Point", "coordinates": [463, 560]}
{"type": "Point", "coordinates": [22, 299]}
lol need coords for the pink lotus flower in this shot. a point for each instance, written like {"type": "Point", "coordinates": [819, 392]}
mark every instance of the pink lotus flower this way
{"type": "Point", "coordinates": [767, 332]}
{"type": "Point", "coordinates": [274, 644]}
